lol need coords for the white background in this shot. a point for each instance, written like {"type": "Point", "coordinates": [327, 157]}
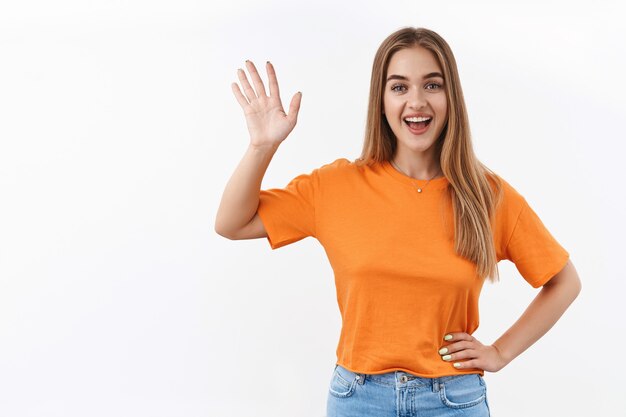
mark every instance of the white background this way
{"type": "Point", "coordinates": [119, 131]}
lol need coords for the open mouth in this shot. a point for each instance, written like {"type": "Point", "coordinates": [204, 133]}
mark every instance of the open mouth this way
{"type": "Point", "coordinates": [418, 123]}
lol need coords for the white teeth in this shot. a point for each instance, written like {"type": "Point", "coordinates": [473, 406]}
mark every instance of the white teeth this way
{"type": "Point", "coordinates": [417, 119]}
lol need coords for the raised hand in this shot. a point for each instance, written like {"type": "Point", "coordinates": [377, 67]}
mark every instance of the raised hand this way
{"type": "Point", "coordinates": [268, 124]}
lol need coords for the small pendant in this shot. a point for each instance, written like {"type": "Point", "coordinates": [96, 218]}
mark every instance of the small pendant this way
{"type": "Point", "coordinates": [419, 190]}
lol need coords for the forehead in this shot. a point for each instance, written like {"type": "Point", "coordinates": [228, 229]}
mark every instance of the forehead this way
{"type": "Point", "coordinates": [413, 61]}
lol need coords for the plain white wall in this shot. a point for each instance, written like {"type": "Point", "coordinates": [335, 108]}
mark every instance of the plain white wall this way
{"type": "Point", "coordinates": [119, 131]}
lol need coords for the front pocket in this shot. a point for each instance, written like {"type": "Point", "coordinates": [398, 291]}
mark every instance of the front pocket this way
{"type": "Point", "coordinates": [342, 386]}
{"type": "Point", "coordinates": [462, 391]}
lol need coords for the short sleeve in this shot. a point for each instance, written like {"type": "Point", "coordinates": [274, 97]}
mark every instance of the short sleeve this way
{"type": "Point", "coordinates": [535, 252]}
{"type": "Point", "coordinates": [288, 214]}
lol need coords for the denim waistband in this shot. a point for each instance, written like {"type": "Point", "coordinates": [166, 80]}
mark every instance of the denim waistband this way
{"type": "Point", "coordinates": [399, 378]}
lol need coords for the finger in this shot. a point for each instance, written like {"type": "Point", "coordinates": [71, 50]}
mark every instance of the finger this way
{"type": "Point", "coordinates": [273, 81]}
{"type": "Point", "coordinates": [256, 79]}
{"type": "Point", "coordinates": [294, 107]}
{"type": "Point", "coordinates": [452, 337]}
{"type": "Point", "coordinates": [455, 347]}
{"type": "Point", "coordinates": [471, 364]}
{"type": "Point", "coordinates": [464, 354]}
{"type": "Point", "coordinates": [240, 97]}
{"type": "Point", "coordinates": [247, 89]}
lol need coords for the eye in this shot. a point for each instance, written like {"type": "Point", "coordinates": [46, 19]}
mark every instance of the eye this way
{"type": "Point", "coordinates": [396, 87]}
{"type": "Point", "coordinates": [435, 86]}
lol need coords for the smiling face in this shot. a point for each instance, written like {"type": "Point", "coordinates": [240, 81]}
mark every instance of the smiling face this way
{"type": "Point", "coordinates": [414, 101]}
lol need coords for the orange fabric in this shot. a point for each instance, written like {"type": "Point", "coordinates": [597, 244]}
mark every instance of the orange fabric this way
{"type": "Point", "coordinates": [400, 286]}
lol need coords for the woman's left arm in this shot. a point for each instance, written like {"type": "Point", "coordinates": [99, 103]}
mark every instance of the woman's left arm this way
{"type": "Point", "coordinates": [544, 311]}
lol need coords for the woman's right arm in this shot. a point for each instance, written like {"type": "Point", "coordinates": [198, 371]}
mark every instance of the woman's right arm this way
{"type": "Point", "coordinates": [268, 125]}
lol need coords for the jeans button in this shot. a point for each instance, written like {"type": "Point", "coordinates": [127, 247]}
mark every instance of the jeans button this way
{"type": "Point", "coordinates": [403, 378]}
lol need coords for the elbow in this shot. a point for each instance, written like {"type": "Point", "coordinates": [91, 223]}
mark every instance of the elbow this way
{"type": "Point", "coordinates": [578, 286]}
{"type": "Point", "coordinates": [223, 231]}
{"type": "Point", "coordinates": [218, 229]}
{"type": "Point", "coordinates": [574, 287]}
{"type": "Point", "coordinates": [227, 235]}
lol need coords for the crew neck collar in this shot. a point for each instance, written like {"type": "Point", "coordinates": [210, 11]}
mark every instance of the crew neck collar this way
{"type": "Point", "coordinates": [437, 183]}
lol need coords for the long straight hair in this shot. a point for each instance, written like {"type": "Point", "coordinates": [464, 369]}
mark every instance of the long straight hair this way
{"type": "Point", "coordinates": [473, 199]}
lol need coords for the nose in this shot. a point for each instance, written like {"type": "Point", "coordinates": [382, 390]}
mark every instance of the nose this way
{"type": "Point", "coordinates": [416, 98]}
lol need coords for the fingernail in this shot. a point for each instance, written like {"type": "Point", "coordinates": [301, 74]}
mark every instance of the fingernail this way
{"type": "Point", "coordinates": [268, 62]}
{"type": "Point", "coordinates": [247, 60]}
{"type": "Point", "coordinates": [456, 364]}
{"type": "Point", "coordinates": [443, 350]}
{"type": "Point", "coordinates": [446, 357]}
{"type": "Point", "coordinates": [447, 337]}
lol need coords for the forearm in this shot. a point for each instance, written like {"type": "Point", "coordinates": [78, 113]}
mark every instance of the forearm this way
{"type": "Point", "coordinates": [544, 311]}
{"type": "Point", "coordinates": [240, 199]}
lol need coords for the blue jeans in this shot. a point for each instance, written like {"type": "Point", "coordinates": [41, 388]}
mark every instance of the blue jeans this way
{"type": "Point", "coordinates": [400, 394]}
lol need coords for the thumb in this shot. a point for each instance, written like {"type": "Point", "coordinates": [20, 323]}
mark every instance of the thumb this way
{"type": "Point", "coordinates": [294, 107]}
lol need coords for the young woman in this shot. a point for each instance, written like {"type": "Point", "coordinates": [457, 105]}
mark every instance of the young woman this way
{"type": "Point", "coordinates": [412, 229]}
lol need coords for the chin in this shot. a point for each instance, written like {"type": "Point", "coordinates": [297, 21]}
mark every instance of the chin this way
{"type": "Point", "coordinates": [416, 145]}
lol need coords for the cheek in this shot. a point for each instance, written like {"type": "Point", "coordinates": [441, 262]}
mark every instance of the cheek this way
{"type": "Point", "coordinates": [385, 104]}
{"type": "Point", "coordinates": [389, 107]}
{"type": "Point", "coordinates": [442, 107]}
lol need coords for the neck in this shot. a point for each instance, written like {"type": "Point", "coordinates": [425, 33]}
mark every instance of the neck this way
{"type": "Point", "coordinates": [419, 166]}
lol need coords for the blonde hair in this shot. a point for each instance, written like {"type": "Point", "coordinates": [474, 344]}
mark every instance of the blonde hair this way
{"type": "Point", "coordinates": [473, 198]}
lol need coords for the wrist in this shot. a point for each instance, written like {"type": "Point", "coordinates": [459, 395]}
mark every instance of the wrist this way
{"type": "Point", "coordinates": [263, 148]}
{"type": "Point", "coordinates": [263, 151]}
{"type": "Point", "coordinates": [503, 354]}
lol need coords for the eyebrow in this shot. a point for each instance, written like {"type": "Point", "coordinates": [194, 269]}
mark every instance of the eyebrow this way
{"type": "Point", "coordinates": [403, 78]}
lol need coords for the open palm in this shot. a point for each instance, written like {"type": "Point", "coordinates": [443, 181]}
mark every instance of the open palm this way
{"type": "Point", "coordinates": [268, 124]}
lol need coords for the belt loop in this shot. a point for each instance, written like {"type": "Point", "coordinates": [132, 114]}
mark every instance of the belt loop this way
{"type": "Point", "coordinates": [435, 384]}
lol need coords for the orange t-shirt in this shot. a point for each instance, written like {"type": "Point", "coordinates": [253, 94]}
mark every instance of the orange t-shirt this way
{"type": "Point", "coordinates": [400, 285]}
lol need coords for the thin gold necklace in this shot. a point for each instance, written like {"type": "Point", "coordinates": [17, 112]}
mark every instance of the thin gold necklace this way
{"type": "Point", "coordinates": [419, 189]}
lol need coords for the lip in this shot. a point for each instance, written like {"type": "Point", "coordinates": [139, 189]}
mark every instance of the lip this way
{"type": "Point", "coordinates": [416, 115]}
{"type": "Point", "coordinates": [418, 131]}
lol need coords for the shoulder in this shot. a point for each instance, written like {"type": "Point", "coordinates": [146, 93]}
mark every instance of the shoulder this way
{"type": "Point", "coordinates": [339, 177]}
{"type": "Point", "coordinates": [510, 199]}
{"type": "Point", "coordinates": [327, 173]}
{"type": "Point", "coordinates": [340, 163]}
{"type": "Point", "coordinates": [337, 168]}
